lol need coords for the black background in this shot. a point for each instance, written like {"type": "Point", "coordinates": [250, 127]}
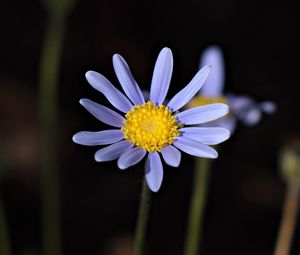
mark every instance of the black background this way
{"type": "Point", "coordinates": [99, 202]}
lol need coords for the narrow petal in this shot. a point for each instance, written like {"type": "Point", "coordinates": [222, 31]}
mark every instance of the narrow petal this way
{"type": "Point", "coordinates": [250, 117]}
{"type": "Point", "coordinates": [203, 114]}
{"type": "Point", "coordinates": [186, 94]}
{"type": "Point", "coordinates": [98, 138]}
{"type": "Point", "coordinates": [114, 96]}
{"type": "Point", "coordinates": [268, 107]}
{"type": "Point", "coordinates": [195, 148]}
{"type": "Point", "coordinates": [161, 76]}
{"type": "Point", "coordinates": [171, 155]}
{"type": "Point", "coordinates": [239, 103]}
{"type": "Point", "coordinates": [126, 80]}
{"type": "Point", "coordinates": [214, 85]}
{"type": "Point", "coordinates": [103, 113]}
{"type": "Point", "coordinates": [154, 171]}
{"type": "Point", "coordinates": [228, 122]}
{"type": "Point", "coordinates": [131, 157]}
{"type": "Point", "coordinates": [206, 135]}
{"type": "Point", "coordinates": [245, 108]}
{"type": "Point", "coordinates": [113, 151]}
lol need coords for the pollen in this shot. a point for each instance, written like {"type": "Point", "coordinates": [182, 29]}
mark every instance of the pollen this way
{"type": "Point", "coordinates": [151, 127]}
{"type": "Point", "coordinates": [202, 100]}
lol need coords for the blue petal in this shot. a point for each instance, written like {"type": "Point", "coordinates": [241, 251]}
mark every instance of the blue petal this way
{"type": "Point", "coordinates": [206, 135]}
{"type": "Point", "coordinates": [114, 96]}
{"type": "Point", "coordinates": [161, 76]}
{"type": "Point", "coordinates": [203, 114]}
{"type": "Point", "coordinates": [245, 108]}
{"type": "Point", "coordinates": [171, 155]}
{"type": "Point", "coordinates": [98, 138]}
{"type": "Point", "coordinates": [240, 103]}
{"type": "Point", "coordinates": [113, 151]}
{"type": "Point", "coordinates": [228, 122]}
{"type": "Point", "coordinates": [251, 116]}
{"type": "Point", "coordinates": [103, 113]}
{"type": "Point", "coordinates": [154, 171]}
{"type": "Point", "coordinates": [186, 94]}
{"type": "Point", "coordinates": [195, 148]}
{"type": "Point", "coordinates": [214, 85]}
{"type": "Point", "coordinates": [268, 107]}
{"type": "Point", "coordinates": [131, 157]}
{"type": "Point", "coordinates": [127, 81]}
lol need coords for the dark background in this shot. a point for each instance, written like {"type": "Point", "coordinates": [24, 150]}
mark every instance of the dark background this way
{"type": "Point", "coordinates": [99, 203]}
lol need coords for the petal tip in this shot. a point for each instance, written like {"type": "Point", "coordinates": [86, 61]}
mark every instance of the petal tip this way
{"type": "Point", "coordinates": [167, 52]}
{"type": "Point", "coordinates": [97, 158]}
{"type": "Point", "coordinates": [206, 68]}
{"type": "Point", "coordinates": [268, 107]}
{"type": "Point", "coordinates": [116, 57]}
{"type": "Point", "coordinates": [154, 189]}
{"type": "Point", "coordinates": [213, 51]}
{"type": "Point", "coordinates": [215, 157]}
{"type": "Point", "coordinates": [167, 49]}
{"type": "Point", "coordinates": [82, 101]}
{"type": "Point", "coordinates": [175, 165]}
{"type": "Point", "coordinates": [120, 165]}
{"type": "Point", "coordinates": [227, 134]}
{"type": "Point", "coordinates": [224, 107]}
{"type": "Point", "coordinates": [206, 71]}
{"type": "Point", "coordinates": [74, 138]}
{"type": "Point", "coordinates": [227, 108]}
{"type": "Point", "coordinates": [89, 73]}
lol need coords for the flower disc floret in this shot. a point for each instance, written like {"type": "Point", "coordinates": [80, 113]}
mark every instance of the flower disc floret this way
{"type": "Point", "coordinates": [151, 127]}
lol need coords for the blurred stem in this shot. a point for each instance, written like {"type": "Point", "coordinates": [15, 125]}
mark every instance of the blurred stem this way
{"type": "Point", "coordinates": [4, 235]}
{"type": "Point", "coordinates": [5, 244]}
{"type": "Point", "coordinates": [48, 81]}
{"type": "Point", "coordinates": [197, 206]}
{"type": "Point", "coordinates": [288, 220]}
{"type": "Point", "coordinates": [140, 232]}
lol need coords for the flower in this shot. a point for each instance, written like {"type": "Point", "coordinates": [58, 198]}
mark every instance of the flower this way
{"type": "Point", "coordinates": [243, 108]}
{"type": "Point", "coordinates": [151, 127]}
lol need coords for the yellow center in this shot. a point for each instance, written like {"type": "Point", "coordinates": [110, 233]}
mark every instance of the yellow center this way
{"type": "Point", "coordinates": [202, 100]}
{"type": "Point", "coordinates": [150, 127]}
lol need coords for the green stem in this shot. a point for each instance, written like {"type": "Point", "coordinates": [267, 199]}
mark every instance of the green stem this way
{"type": "Point", "coordinates": [4, 235]}
{"type": "Point", "coordinates": [48, 80]}
{"type": "Point", "coordinates": [141, 227]}
{"type": "Point", "coordinates": [197, 206]}
{"type": "Point", "coordinates": [288, 221]}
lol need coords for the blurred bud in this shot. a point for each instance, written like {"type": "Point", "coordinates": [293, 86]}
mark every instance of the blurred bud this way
{"type": "Point", "coordinates": [3, 160]}
{"type": "Point", "coordinates": [289, 161]}
{"type": "Point", "coordinates": [58, 6]}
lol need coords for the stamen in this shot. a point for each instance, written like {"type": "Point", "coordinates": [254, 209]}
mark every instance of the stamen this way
{"type": "Point", "coordinates": [151, 127]}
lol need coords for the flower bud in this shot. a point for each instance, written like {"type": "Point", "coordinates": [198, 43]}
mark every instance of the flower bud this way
{"type": "Point", "coordinates": [289, 161]}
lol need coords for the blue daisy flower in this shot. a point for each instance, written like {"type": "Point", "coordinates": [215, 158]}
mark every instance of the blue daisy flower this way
{"type": "Point", "coordinates": [242, 107]}
{"type": "Point", "coordinates": [152, 128]}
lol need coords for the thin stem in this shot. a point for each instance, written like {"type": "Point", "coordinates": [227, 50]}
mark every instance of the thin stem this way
{"type": "Point", "coordinates": [48, 81]}
{"type": "Point", "coordinates": [288, 221]}
{"type": "Point", "coordinates": [141, 227]}
{"type": "Point", "coordinates": [197, 206]}
{"type": "Point", "coordinates": [4, 235]}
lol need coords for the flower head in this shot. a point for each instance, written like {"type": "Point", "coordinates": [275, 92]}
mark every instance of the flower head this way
{"type": "Point", "coordinates": [243, 108]}
{"type": "Point", "coordinates": [151, 127]}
